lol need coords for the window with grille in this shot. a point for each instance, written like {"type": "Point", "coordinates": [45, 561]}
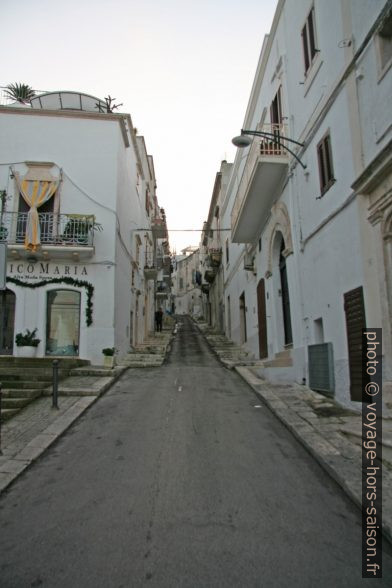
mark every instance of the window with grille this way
{"type": "Point", "coordinates": [309, 41]}
{"type": "Point", "coordinates": [324, 155]}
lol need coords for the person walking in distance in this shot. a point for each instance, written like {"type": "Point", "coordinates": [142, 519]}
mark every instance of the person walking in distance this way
{"type": "Point", "coordinates": [158, 319]}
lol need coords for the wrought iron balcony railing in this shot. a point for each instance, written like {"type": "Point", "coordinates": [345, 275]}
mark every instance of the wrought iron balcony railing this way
{"type": "Point", "coordinates": [55, 229]}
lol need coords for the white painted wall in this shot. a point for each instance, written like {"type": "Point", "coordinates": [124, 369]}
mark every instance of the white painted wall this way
{"type": "Point", "coordinates": [333, 250]}
{"type": "Point", "coordinates": [99, 177]}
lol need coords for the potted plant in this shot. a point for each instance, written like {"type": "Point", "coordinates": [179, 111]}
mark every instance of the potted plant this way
{"type": "Point", "coordinates": [79, 227]}
{"type": "Point", "coordinates": [108, 357]}
{"type": "Point", "coordinates": [3, 233]}
{"type": "Point", "coordinates": [27, 343]}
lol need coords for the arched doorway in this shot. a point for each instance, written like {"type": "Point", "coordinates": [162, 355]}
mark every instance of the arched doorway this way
{"type": "Point", "coordinates": [7, 320]}
{"type": "Point", "coordinates": [288, 334]}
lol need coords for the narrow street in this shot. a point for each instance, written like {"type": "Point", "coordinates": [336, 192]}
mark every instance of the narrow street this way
{"type": "Point", "coordinates": [178, 476]}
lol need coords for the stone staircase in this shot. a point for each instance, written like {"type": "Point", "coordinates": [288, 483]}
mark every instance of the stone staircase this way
{"type": "Point", "coordinates": [278, 369]}
{"type": "Point", "coordinates": [230, 354]}
{"type": "Point", "coordinates": [150, 353]}
{"type": "Point", "coordinates": [24, 379]}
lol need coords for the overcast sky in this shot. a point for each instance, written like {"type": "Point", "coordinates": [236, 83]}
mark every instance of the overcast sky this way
{"type": "Point", "coordinates": [183, 69]}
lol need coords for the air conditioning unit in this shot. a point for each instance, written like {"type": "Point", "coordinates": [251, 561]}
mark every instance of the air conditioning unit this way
{"type": "Point", "coordinates": [249, 262]}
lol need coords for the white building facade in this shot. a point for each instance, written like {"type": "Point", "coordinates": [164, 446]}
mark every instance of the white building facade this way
{"type": "Point", "coordinates": [186, 288]}
{"type": "Point", "coordinates": [308, 264]}
{"type": "Point", "coordinates": [81, 181]}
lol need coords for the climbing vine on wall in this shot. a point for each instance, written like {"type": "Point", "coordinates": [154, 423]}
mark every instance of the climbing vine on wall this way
{"type": "Point", "coordinates": [71, 282]}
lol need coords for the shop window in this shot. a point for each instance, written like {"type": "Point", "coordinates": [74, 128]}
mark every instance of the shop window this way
{"type": "Point", "coordinates": [62, 322]}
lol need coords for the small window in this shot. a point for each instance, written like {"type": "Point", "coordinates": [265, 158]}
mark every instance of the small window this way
{"type": "Point", "coordinates": [227, 250]}
{"type": "Point", "coordinates": [260, 244]}
{"type": "Point", "coordinates": [324, 154]}
{"type": "Point", "coordinates": [181, 283]}
{"type": "Point", "coordinates": [384, 37]}
{"type": "Point", "coordinates": [309, 41]}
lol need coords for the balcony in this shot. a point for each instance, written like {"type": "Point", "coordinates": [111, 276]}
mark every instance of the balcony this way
{"type": "Point", "coordinates": [161, 291]}
{"type": "Point", "coordinates": [214, 258]}
{"type": "Point", "coordinates": [262, 179]}
{"type": "Point", "coordinates": [150, 272]}
{"type": "Point", "coordinates": [209, 275]}
{"type": "Point", "coordinates": [158, 227]}
{"type": "Point", "coordinates": [61, 235]}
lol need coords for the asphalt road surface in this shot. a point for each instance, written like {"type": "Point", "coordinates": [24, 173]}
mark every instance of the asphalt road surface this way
{"type": "Point", "coordinates": [175, 479]}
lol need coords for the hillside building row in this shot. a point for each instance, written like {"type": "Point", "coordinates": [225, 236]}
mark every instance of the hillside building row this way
{"type": "Point", "coordinates": [297, 250]}
{"type": "Point", "coordinates": [85, 240]}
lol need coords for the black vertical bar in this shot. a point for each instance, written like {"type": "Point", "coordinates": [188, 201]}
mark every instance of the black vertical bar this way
{"type": "Point", "coordinates": [1, 416]}
{"type": "Point", "coordinates": [55, 383]}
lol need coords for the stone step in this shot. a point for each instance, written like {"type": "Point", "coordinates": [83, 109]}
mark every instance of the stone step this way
{"type": "Point", "coordinates": [20, 384]}
{"type": "Point", "coordinates": [148, 349]}
{"type": "Point", "coordinates": [91, 371]}
{"type": "Point", "coordinates": [16, 403]}
{"type": "Point", "coordinates": [278, 363]}
{"type": "Point", "coordinates": [33, 373]}
{"type": "Point", "coordinates": [64, 362]}
{"type": "Point", "coordinates": [7, 413]}
{"type": "Point", "coordinates": [31, 393]}
{"type": "Point", "coordinates": [285, 354]}
{"type": "Point", "coordinates": [143, 356]}
{"type": "Point", "coordinates": [238, 351]}
{"type": "Point", "coordinates": [141, 364]}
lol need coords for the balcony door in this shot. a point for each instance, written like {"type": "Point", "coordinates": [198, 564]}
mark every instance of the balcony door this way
{"type": "Point", "coordinates": [63, 322]}
{"type": "Point", "coordinates": [7, 319]}
{"type": "Point", "coordinates": [45, 214]}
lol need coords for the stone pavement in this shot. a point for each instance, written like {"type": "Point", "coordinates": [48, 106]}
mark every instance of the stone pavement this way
{"type": "Point", "coordinates": [28, 434]}
{"type": "Point", "coordinates": [331, 433]}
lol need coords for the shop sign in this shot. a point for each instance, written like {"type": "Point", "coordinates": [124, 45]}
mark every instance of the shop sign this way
{"type": "Point", "coordinates": [40, 270]}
